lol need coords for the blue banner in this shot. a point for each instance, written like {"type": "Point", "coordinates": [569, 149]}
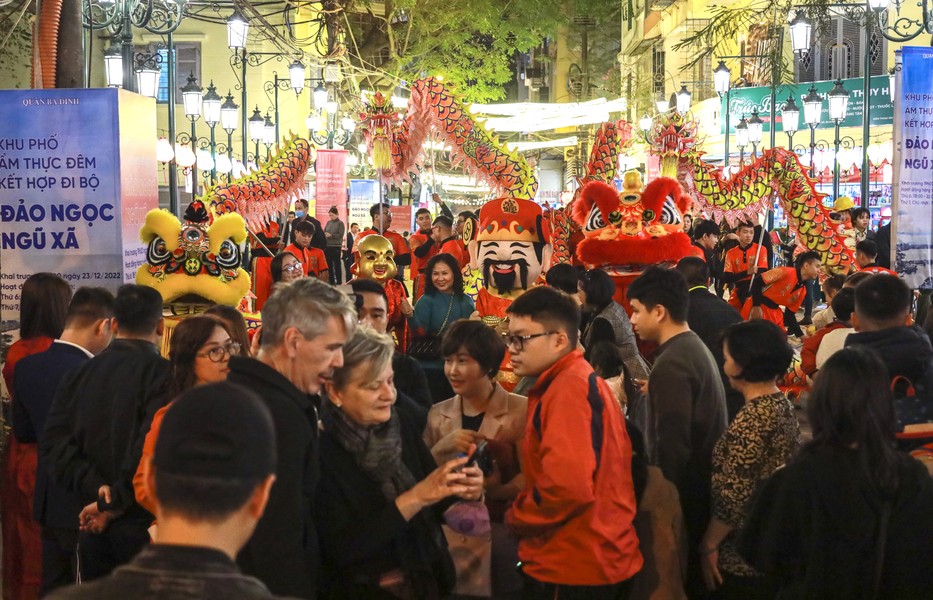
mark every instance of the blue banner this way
{"type": "Point", "coordinates": [70, 203]}
{"type": "Point", "coordinates": [912, 225]}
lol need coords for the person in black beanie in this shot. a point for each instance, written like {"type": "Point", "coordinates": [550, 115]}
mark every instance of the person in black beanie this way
{"type": "Point", "coordinates": [213, 467]}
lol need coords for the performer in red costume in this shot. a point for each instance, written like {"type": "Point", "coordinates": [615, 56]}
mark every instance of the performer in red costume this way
{"type": "Point", "coordinates": [781, 286]}
{"type": "Point", "coordinates": [376, 261]}
{"type": "Point", "coordinates": [423, 249]}
{"type": "Point", "coordinates": [742, 262]}
{"type": "Point", "coordinates": [511, 247]}
{"type": "Point", "coordinates": [382, 221]}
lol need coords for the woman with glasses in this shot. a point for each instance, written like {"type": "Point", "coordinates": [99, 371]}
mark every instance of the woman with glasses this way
{"type": "Point", "coordinates": [199, 352]}
{"type": "Point", "coordinates": [442, 303]}
{"type": "Point", "coordinates": [286, 267]}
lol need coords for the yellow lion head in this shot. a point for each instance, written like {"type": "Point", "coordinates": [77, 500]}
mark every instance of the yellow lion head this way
{"type": "Point", "coordinates": [196, 258]}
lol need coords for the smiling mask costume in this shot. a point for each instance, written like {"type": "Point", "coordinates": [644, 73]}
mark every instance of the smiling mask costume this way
{"type": "Point", "coordinates": [377, 262]}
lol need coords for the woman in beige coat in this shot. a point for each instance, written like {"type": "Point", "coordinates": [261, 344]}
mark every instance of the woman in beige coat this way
{"type": "Point", "coordinates": [481, 411]}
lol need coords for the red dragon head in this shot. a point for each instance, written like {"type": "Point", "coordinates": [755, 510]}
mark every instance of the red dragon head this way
{"type": "Point", "coordinates": [633, 228]}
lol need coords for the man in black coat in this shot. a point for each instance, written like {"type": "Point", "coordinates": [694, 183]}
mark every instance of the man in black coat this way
{"type": "Point", "coordinates": [708, 315]}
{"type": "Point", "coordinates": [94, 433]}
{"type": "Point", "coordinates": [35, 380]}
{"type": "Point", "coordinates": [318, 239]}
{"type": "Point", "coordinates": [304, 327]}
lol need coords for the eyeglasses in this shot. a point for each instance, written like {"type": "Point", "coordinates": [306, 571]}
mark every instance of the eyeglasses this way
{"type": "Point", "coordinates": [518, 341]}
{"type": "Point", "coordinates": [294, 267]}
{"type": "Point", "coordinates": [221, 353]}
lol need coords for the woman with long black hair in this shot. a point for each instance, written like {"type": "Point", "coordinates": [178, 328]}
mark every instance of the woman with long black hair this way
{"type": "Point", "coordinates": [850, 516]}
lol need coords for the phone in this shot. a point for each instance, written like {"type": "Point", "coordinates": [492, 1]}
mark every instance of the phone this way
{"type": "Point", "coordinates": [481, 458]}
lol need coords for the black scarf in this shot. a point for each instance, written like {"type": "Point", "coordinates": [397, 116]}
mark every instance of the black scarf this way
{"type": "Point", "coordinates": [377, 450]}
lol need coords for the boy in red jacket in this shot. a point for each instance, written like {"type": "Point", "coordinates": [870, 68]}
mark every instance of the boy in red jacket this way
{"type": "Point", "coordinates": [574, 517]}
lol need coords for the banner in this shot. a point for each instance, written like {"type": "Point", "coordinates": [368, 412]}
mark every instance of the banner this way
{"type": "Point", "coordinates": [77, 177]}
{"type": "Point", "coordinates": [401, 218]}
{"type": "Point", "coordinates": [363, 194]}
{"type": "Point", "coordinates": [331, 184]}
{"type": "Point", "coordinates": [742, 101]}
{"type": "Point", "coordinates": [912, 221]}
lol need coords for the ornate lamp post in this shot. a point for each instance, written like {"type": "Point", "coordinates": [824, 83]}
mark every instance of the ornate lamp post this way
{"type": "Point", "coordinates": [812, 114]}
{"type": "Point", "coordinates": [790, 120]}
{"type": "Point", "coordinates": [755, 127]}
{"type": "Point", "coordinates": [838, 106]}
{"type": "Point", "coordinates": [722, 77]}
{"type": "Point", "coordinates": [741, 139]}
{"type": "Point", "coordinates": [191, 95]}
{"type": "Point", "coordinates": [212, 102]}
{"type": "Point", "coordinates": [229, 114]}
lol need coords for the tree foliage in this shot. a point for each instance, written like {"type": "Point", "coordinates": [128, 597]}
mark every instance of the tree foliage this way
{"type": "Point", "coordinates": [471, 44]}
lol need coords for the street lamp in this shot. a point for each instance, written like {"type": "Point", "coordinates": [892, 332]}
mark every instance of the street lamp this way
{"type": "Point", "coordinates": [268, 135]}
{"type": "Point", "coordinates": [237, 28]}
{"type": "Point", "coordinates": [812, 114]}
{"type": "Point", "coordinates": [320, 96]}
{"type": "Point", "coordinates": [212, 102]}
{"type": "Point", "coordinates": [325, 129]}
{"type": "Point", "coordinates": [147, 73]}
{"type": "Point", "coordinates": [755, 127]}
{"type": "Point", "coordinates": [800, 30]}
{"type": "Point", "coordinates": [229, 114]}
{"type": "Point", "coordinates": [790, 119]}
{"type": "Point", "coordinates": [838, 106]}
{"type": "Point", "coordinates": [683, 99]}
{"type": "Point", "coordinates": [741, 139]}
{"type": "Point", "coordinates": [645, 123]}
{"type": "Point", "coordinates": [296, 75]}
{"type": "Point", "coordinates": [257, 127]}
{"type": "Point", "coordinates": [119, 17]}
{"type": "Point", "coordinates": [191, 98]}
{"type": "Point", "coordinates": [113, 66]}
{"type": "Point", "coordinates": [722, 77]}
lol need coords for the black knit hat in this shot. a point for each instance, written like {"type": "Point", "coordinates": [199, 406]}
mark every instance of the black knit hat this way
{"type": "Point", "coordinates": [219, 430]}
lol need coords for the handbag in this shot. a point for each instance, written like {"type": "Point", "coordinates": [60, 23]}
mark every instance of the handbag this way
{"type": "Point", "coordinates": [428, 347]}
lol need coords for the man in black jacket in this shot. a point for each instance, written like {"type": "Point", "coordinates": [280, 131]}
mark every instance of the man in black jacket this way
{"type": "Point", "coordinates": [708, 315]}
{"type": "Point", "coordinates": [95, 429]}
{"type": "Point", "coordinates": [87, 332]}
{"type": "Point", "coordinates": [881, 317]}
{"type": "Point", "coordinates": [304, 327]}
{"type": "Point", "coordinates": [210, 476]}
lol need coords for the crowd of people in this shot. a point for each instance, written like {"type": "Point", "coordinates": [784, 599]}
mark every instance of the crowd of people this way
{"type": "Point", "coordinates": [648, 450]}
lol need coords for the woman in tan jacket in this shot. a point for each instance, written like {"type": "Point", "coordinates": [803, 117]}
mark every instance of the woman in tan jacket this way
{"type": "Point", "coordinates": [481, 411]}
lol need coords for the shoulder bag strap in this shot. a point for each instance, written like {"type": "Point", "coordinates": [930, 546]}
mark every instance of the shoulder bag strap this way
{"type": "Point", "coordinates": [443, 326]}
{"type": "Point", "coordinates": [880, 547]}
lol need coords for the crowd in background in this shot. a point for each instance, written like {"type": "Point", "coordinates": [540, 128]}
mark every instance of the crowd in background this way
{"type": "Point", "coordinates": [651, 454]}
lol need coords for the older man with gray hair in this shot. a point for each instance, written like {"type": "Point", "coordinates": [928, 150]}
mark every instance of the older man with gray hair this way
{"type": "Point", "coordinates": [304, 327]}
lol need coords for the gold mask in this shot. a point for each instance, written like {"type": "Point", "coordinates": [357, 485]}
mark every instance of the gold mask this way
{"type": "Point", "coordinates": [377, 259]}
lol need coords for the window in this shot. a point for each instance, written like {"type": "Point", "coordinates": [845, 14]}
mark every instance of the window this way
{"type": "Point", "coordinates": [188, 61]}
{"type": "Point", "coordinates": [658, 70]}
{"type": "Point", "coordinates": [838, 51]}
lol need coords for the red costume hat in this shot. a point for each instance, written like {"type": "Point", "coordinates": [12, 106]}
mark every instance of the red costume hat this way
{"type": "Point", "coordinates": [512, 219]}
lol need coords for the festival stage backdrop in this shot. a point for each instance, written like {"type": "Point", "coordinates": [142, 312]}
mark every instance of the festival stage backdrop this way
{"type": "Point", "coordinates": [77, 177]}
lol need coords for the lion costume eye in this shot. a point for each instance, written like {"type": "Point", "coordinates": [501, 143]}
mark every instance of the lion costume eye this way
{"type": "Point", "coordinates": [595, 220]}
{"type": "Point", "coordinates": [229, 255]}
{"type": "Point", "coordinates": [192, 235]}
{"type": "Point", "coordinates": [158, 252]}
{"type": "Point", "coordinates": [670, 215]}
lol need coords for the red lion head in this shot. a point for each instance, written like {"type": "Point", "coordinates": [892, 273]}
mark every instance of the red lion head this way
{"type": "Point", "coordinates": [633, 228]}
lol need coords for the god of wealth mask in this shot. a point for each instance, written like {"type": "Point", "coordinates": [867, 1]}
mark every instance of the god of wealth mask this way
{"type": "Point", "coordinates": [377, 259]}
{"type": "Point", "coordinates": [511, 246]}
